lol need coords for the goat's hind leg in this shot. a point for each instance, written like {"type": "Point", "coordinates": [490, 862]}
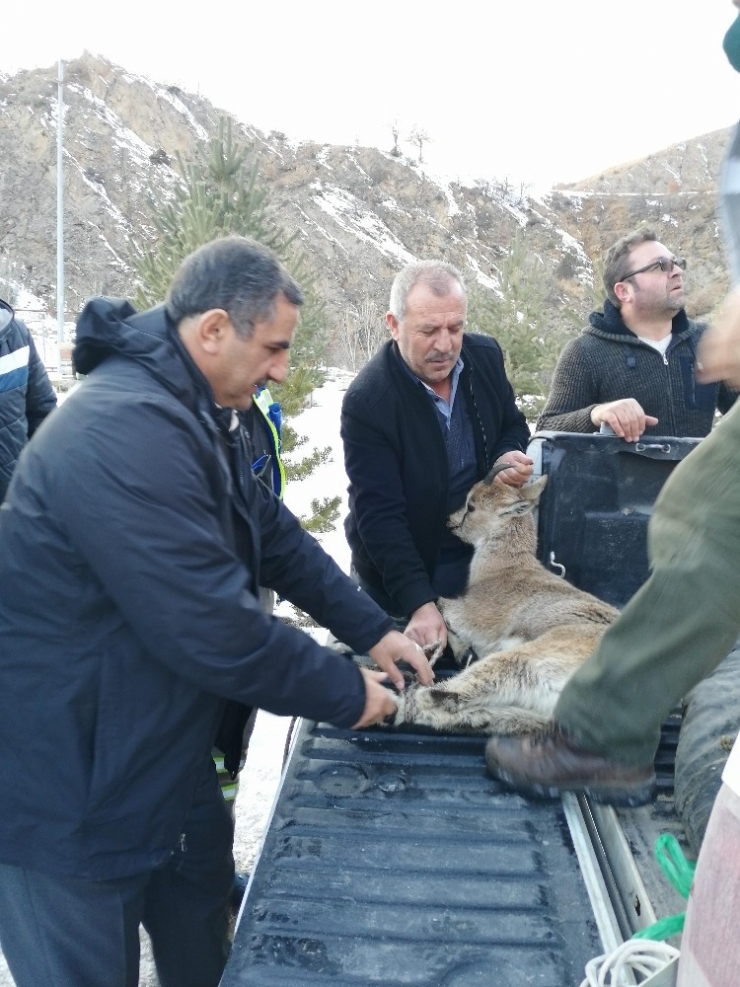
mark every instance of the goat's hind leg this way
{"type": "Point", "coordinates": [505, 692]}
{"type": "Point", "coordinates": [463, 702]}
{"type": "Point", "coordinates": [442, 710]}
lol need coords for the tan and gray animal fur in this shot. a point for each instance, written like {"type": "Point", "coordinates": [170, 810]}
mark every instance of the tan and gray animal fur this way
{"type": "Point", "coordinates": [531, 628]}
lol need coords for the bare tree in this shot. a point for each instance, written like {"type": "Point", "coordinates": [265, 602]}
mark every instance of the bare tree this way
{"type": "Point", "coordinates": [395, 131]}
{"type": "Point", "coordinates": [419, 137]}
{"type": "Point", "coordinates": [365, 332]}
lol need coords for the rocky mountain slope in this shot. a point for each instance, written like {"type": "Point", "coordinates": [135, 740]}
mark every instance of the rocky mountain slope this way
{"type": "Point", "coordinates": [360, 213]}
{"type": "Point", "coordinates": [675, 192]}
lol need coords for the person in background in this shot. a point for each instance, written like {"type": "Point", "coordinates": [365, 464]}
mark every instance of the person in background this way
{"type": "Point", "coordinates": [263, 424]}
{"type": "Point", "coordinates": [677, 628]}
{"type": "Point", "coordinates": [422, 422]}
{"type": "Point", "coordinates": [632, 369]}
{"type": "Point", "coordinates": [136, 537]}
{"type": "Point", "coordinates": [26, 394]}
{"type": "Point", "coordinates": [674, 631]}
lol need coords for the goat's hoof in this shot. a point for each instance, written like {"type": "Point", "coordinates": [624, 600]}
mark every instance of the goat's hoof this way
{"type": "Point", "coordinates": [467, 658]}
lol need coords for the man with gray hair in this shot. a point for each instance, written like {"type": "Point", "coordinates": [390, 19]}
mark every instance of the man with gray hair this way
{"type": "Point", "coordinates": [133, 543]}
{"type": "Point", "coordinates": [422, 422]}
{"type": "Point", "coordinates": [633, 367]}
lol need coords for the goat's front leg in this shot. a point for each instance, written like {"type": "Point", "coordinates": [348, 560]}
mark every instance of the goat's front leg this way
{"type": "Point", "coordinates": [462, 649]}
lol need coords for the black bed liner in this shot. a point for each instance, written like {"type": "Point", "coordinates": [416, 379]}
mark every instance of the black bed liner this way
{"type": "Point", "coordinates": [392, 858]}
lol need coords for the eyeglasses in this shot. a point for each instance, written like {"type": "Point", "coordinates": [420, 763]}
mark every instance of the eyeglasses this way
{"type": "Point", "coordinates": [666, 265]}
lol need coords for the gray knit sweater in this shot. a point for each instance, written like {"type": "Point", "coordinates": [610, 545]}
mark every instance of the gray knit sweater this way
{"type": "Point", "coordinates": [608, 362]}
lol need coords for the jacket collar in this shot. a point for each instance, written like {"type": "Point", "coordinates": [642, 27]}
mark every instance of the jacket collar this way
{"type": "Point", "coordinates": [608, 324]}
{"type": "Point", "coordinates": [109, 327]}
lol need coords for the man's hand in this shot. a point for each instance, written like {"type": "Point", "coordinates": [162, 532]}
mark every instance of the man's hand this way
{"type": "Point", "coordinates": [625, 417]}
{"type": "Point", "coordinates": [427, 626]}
{"type": "Point", "coordinates": [718, 357]}
{"type": "Point", "coordinates": [379, 701]}
{"type": "Point", "coordinates": [519, 474]}
{"type": "Point", "coordinates": [395, 647]}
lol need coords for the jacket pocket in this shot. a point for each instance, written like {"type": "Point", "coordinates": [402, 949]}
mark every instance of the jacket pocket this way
{"type": "Point", "coordinates": [699, 396]}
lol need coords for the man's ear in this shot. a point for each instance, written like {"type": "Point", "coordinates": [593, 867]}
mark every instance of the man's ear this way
{"type": "Point", "coordinates": [392, 322]}
{"type": "Point", "coordinates": [211, 328]}
{"type": "Point", "coordinates": [622, 291]}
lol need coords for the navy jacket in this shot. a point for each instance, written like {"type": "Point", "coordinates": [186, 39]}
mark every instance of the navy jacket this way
{"type": "Point", "coordinates": [396, 462]}
{"type": "Point", "coordinates": [26, 396]}
{"type": "Point", "coordinates": [131, 550]}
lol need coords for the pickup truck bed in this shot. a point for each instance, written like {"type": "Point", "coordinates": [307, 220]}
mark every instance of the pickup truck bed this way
{"type": "Point", "coordinates": [392, 858]}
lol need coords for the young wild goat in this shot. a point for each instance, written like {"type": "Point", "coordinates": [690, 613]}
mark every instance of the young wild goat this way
{"type": "Point", "coordinates": [531, 628]}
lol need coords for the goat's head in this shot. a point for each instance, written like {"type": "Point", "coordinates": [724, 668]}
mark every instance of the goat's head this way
{"type": "Point", "coordinates": [491, 506]}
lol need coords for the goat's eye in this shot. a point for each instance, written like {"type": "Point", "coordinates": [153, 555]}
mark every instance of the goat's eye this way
{"type": "Point", "coordinates": [471, 508]}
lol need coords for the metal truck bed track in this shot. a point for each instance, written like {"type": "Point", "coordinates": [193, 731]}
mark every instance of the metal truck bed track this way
{"type": "Point", "coordinates": [392, 858]}
{"type": "Point", "coordinates": [642, 826]}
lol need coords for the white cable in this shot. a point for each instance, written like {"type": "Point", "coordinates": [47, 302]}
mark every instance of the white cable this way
{"type": "Point", "coordinates": [643, 956]}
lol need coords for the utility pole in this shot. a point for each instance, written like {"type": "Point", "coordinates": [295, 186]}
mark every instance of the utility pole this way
{"type": "Point", "coordinates": [60, 214]}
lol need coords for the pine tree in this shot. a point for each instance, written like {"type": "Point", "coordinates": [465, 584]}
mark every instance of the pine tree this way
{"type": "Point", "coordinates": [518, 317]}
{"type": "Point", "coordinates": [221, 196]}
{"type": "Point", "coordinates": [216, 198]}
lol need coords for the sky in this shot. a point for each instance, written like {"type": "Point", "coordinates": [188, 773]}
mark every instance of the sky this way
{"type": "Point", "coordinates": [534, 91]}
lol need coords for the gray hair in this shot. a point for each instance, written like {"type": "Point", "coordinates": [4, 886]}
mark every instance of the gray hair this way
{"type": "Point", "coordinates": [236, 274]}
{"type": "Point", "coordinates": [438, 275]}
{"type": "Point", "coordinates": [616, 262]}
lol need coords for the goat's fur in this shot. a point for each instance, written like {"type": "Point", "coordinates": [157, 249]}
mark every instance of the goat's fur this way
{"type": "Point", "coordinates": [532, 628]}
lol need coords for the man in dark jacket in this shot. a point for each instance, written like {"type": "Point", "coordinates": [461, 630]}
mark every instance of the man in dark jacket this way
{"type": "Point", "coordinates": [26, 396]}
{"type": "Point", "coordinates": [633, 366]}
{"type": "Point", "coordinates": [132, 544]}
{"type": "Point", "coordinates": [422, 422]}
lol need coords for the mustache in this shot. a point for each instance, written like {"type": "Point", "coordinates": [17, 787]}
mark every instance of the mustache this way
{"type": "Point", "coordinates": [439, 358]}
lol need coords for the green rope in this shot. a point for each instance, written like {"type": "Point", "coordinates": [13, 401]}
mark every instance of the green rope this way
{"type": "Point", "coordinates": [680, 872]}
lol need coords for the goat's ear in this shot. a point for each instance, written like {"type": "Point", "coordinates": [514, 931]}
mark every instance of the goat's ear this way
{"type": "Point", "coordinates": [518, 508]}
{"type": "Point", "coordinates": [533, 491]}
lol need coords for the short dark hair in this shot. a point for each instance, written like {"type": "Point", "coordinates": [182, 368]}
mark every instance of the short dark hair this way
{"type": "Point", "coordinates": [616, 262]}
{"type": "Point", "coordinates": [236, 274]}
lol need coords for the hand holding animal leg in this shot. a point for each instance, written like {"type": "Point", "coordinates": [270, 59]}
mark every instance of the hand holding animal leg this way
{"type": "Point", "coordinates": [528, 679]}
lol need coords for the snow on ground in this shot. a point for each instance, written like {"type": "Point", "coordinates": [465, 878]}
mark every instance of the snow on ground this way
{"type": "Point", "coordinates": [260, 778]}
{"type": "Point", "coordinates": [320, 422]}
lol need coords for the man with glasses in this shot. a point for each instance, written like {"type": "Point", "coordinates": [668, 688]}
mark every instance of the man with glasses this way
{"type": "Point", "coordinates": [673, 633]}
{"type": "Point", "coordinates": [632, 369]}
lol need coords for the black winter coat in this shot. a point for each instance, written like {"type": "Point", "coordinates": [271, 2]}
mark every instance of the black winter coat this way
{"type": "Point", "coordinates": [127, 618]}
{"type": "Point", "coordinates": [396, 462]}
{"type": "Point", "coordinates": [26, 396]}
